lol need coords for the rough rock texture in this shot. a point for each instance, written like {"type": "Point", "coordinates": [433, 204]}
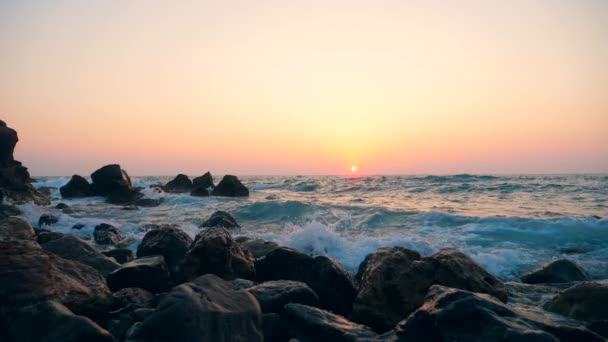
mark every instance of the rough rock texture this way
{"type": "Point", "coordinates": [15, 228]}
{"type": "Point", "coordinates": [121, 320]}
{"type": "Point", "coordinates": [207, 309]}
{"type": "Point", "coordinates": [29, 274]}
{"type": "Point", "coordinates": [105, 234]}
{"type": "Point", "coordinates": [168, 241]}
{"type": "Point", "coordinates": [215, 251]}
{"type": "Point", "coordinates": [586, 301]}
{"type": "Point", "coordinates": [230, 186]}
{"type": "Point", "coordinates": [132, 295]}
{"type": "Point", "coordinates": [49, 321]}
{"type": "Point", "coordinates": [73, 248]}
{"type": "Point", "coordinates": [180, 184]}
{"type": "Point", "coordinates": [44, 237]}
{"type": "Point", "coordinates": [47, 220]}
{"type": "Point", "coordinates": [149, 273]}
{"type": "Point", "coordinates": [109, 179]}
{"type": "Point", "coordinates": [121, 255]}
{"type": "Point", "coordinates": [8, 210]}
{"type": "Point", "coordinates": [77, 187]}
{"type": "Point", "coordinates": [556, 271]}
{"type": "Point", "coordinates": [325, 276]}
{"type": "Point", "coordinates": [311, 324]}
{"type": "Point", "coordinates": [257, 247]}
{"type": "Point", "coordinates": [395, 280]}
{"type": "Point", "coordinates": [456, 315]}
{"type": "Point", "coordinates": [221, 219]}
{"type": "Point", "coordinates": [274, 295]}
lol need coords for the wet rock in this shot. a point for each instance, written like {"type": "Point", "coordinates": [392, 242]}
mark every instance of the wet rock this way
{"type": "Point", "coordinates": [8, 210]}
{"type": "Point", "coordinates": [215, 251]}
{"type": "Point", "coordinates": [78, 226]}
{"type": "Point", "coordinates": [46, 190]}
{"type": "Point", "coordinates": [201, 185]}
{"type": "Point", "coordinates": [326, 277]}
{"type": "Point", "coordinates": [168, 241]}
{"type": "Point", "coordinates": [599, 327]}
{"type": "Point", "coordinates": [394, 282]}
{"type": "Point", "coordinates": [50, 321]}
{"type": "Point", "coordinates": [61, 206]}
{"type": "Point", "coordinates": [221, 219]}
{"type": "Point", "coordinates": [556, 271]}
{"type": "Point", "coordinates": [207, 309]}
{"type": "Point", "coordinates": [73, 248]}
{"type": "Point", "coordinates": [132, 295]}
{"type": "Point", "coordinates": [121, 320]}
{"type": "Point", "coordinates": [124, 196]}
{"type": "Point", "coordinates": [149, 273]}
{"type": "Point", "coordinates": [108, 179]}
{"type": "Point", "coordinates": [121, 255]}
{"type": "Point", "coordinates": [44, 237]}
{"type": "Point", "coordinates": [257, 247]}
{"type": "Point", "coordinates": [106, 234]}
{"type": "Point", "coordinates": [452, 314]}
{"type": "Point", "coordinates": [274, 295]}
{"type": "Point", "coordinates": [586, 301]}
{"type": "Point", "coordinates": [311, 324]}
{"type": "Point", "coordinates": [47, 220]}
{"type": "Point", "coordinates": [77, 187]}
{"type": "Point", "coordinates": [230, 186]}
{"type": "Point", "coordinates": [180, 184]}
{"type": "Point", "coordinates": [15, 228]}
{"type": "Point", "coordinates": [199, 192]}
{"type": "Point", "coordinates": [240, 284]}
{"type": "Point", "coordinates": [274, 328]}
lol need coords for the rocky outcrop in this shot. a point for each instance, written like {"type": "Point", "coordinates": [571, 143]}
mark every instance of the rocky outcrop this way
{"type": "Point", "coordinates": [201, 185]}
{"type": "Point", "coordinates": [207, 309]}
{"type": "Point", "coordinates": [73, 248]}
{"type": "Point", "coordinates": [220, 219]}
{"type": "Point", "coordinates": [8, 210]}
{"type": "Point", "coordinates": [125, 196]}
{"type": "Point", "coordinates": [230, 186]}
{"type": "Point", "coordinates": [15, 228]}
{"type": "Point", "coordinates": [310, 324]}
{"type": "Point", "coordinates": [77, 187]}
{"type": "Point", "coordinates": [395, 280]}
{"type": "Point", "coordinates": [121, 255]}
{"type": "Point", "coordinates": [586, 301]}
{"type": "Point", "coordinates": [105, 234]}
{"type": "Point", "coordinates": [168, 241]}
{"type": "Point", "coordinates": [556, 271]}
{"type": "Point", "coordinates": [180, 184]}
{"type": "Point", "coordinates": [215, 251]}
{"type": "Point", "coordinates": [325, 276]}
{"type": "Point", "coordinates": [274, 295]}
{"type": "Point", "coordinates": [257, 247]}
{"type": "Point", "coordinates": [149, 273]}
{"type": "Point", "coordinates": [108, 179]}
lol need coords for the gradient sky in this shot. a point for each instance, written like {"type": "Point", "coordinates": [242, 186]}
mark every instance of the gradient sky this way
{"type": "Point", "coordinates": [307, 87]}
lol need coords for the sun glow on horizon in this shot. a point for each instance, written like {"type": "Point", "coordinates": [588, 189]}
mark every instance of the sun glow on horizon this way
{"type": "Point", "coordinates": [353, 168]}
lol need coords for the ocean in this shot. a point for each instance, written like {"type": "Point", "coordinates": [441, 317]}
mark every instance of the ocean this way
{"type": "Point", "coordinates": [508, 224]}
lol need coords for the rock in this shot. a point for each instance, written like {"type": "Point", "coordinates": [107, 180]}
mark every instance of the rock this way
{"type": "Point", "coordinates": [121, 255]}
{"type": "Point", "coordinates": [120, 321]}
{"type": "Point", "coordinates": [311, 324]}
{"type": "Point", "coordinates": [132, 295]}
{"type": "Point", "coordinates": [61, 206]}
{"type": "Point", "coordinates": [73, 248]}
{"type": "Point", "coordinates": [230, 186]}
{"type": "Point", "coordinates": [240, 284]}
{"type": "Point", "coordinates": [199, 192]}
{"type": "Point", "coordinates": [130, 208]}
{"type": "Point", "coordinates": [109, 179]}
{"type": "Point", "coordinates": [556, 271]}
{"type": "Point", "coordinates": [274, 295]}
{"type": "Point", "coordinates": [148, 202]}
{"type": "Point", "coordinates": [168, 241]}
{"type": "Point", "coordinates": [221, 219]}
{"type": "Point", "coordinates": [47, 220]}
{"type": "Point", "coordinates": [8, 141]}
{"type": "Point", "coordinates": [46, 190]}
{"type": "Point", "coordinates": [394, 282]}
{"type": "Point", "coordinates": [599, 327]}
{"type": "Point", "coordinates": [201, 185]}
{"type": "Point", "coordinates": [15, 228]}
{"type": "Point", "coordinates": [326, 277]}
{"type": "Point", "coordinates": [78, 226]}
{"type": "Point", "coordinates": [181, 183]}
{"type": "Point", "coordinates": [586, 301]}
{"type": "Point", "coordinates": [8, 210]}
{"type": "Point", "coordinates": [50, 321]}
{"type": "Point", "coordinates": [106, 234]}
{"type": "Point", "coordinates": [44, 237]}
{"type": "Point", "coordinates": [77, 187]}
{"type": "Point", "coordinates": [207, 309]}
{"type": "Point", "coordinates": [257, 247]}
{"type": "Point", "coordinates": [29, 274]}
{"type": "Point", "coordinates": [123, 196]}
{"type": "Point", "coordinates": [450, 314]}
{"type": "Point", "coordinates": [149, 273]}
{"type": "Point", "coordinates": [274, 329]}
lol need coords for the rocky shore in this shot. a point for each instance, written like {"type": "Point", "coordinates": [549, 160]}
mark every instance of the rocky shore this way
{"type": "Point", "coordinates": [218, 287]}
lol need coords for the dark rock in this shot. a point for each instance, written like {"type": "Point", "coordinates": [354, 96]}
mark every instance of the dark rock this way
{"type": "Point", "coordinates": [8, 210]}
{"type": "Point", "coordinates": [106, 234]}
{"type": "Point", "coordinates": [240, 284]}
{"type": "Point", "coordinates": [50, 321]}
{"type": "Point", "coordinates": [132, 295]}
{"type": "Point", "coordinates": [311, 324]}
{"type": "Point", "coordinates": [181, 183]}
{"type": "Point", "coordinates": [556, 271]}
{"type": "Point", "coordinates": [149, 273]}
{"type": "Point", "coordinates": [451, 314]}
{"type": "Point", "coordinates": [257, 247]}
{"type": "Point", "coordinates": [274, 295]}
{"type": "Point", "coordinates": [201, 185]}
{"type": "Point", "coordinates": [68, 211]}
{"type": "Point", "coordinates": [586, 301]}
{"type": "Point", "coordinates": [61, 206]}
{"type": "Point", "coordinates": [148, 202]}
{"type": "Point", "coordinates": [46, 190]}
{"type": "Point", "coordinates": [230, 186]}
{"type": "Point", "coordinates": [108, 179]}
{"type": "Point", "coordinates": [121, 255]}
{"type": "Point", "coordinates": [273, 327]}
{"type": "Point", "coordinates": [15, 228]}
{"type": "Point", "coordinates": [168, 241]}
{"type": "Point", "coordinates": [325, 276]}
{"type": "Point", "coordinates": [199, 192]}
{"type": "Point", "coordinates": [596, 217]}
{"type": "Point", "coordinates": [73, 248]}
{"type": "Point", "coordinates": [47, 220]}
{"type": "Point", "coordinates": [221, 219]}
{"type": "Point", "coordinates": [76, 187]}
{"type": "Point", "coordinates": [394, 281]}
{"type": "Point", "coordinates": [78, 226]}
{"type": "Point", "coordinates": [124, 196]}
{"type": "Point", "coordinates": [8, 141]}
{"type": "Point", "coordinates": [120, 321]}
{"type": "Point", "coordinates": [599, 327]}
{"type": "Point", "coordinates": [44, 237]}
{"type": "Point", "coordinates": [207, 309]}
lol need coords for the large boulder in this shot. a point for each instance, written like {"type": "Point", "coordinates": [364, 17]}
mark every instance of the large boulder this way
{"type": "Point", "coordinates": [180, 184]}
{"type": "Point", "coordinates": [149, 273]}
{"type": "Point", "coordinates": [395, 280]}
{"type": "Point", "coordinates": [8, 141]}
{"type": "Point", "coordinates": [257, 247]}
{"type": "Point", "coordinates": [168, 241]}
{"type": "Point", "coordinates": [29, 274]}
{"type": "Point", "coordinates": [556, 271]}
{"type": "Point", "coordinates": [109, 179]}
{"type": "Point", "coordinates": [230, 186]}
{"type": "Point", "coordinates": [78, 186]}
{"type": "Point", "coordinates": [275, 294]}
{"type": "Point", "coordinates": [106, 234]}
{"type": "Point", "coordinates": [49, 321]}
{"type": "Point", "coordinates": [310, 324]}
{"type": "Point", "coordinates": [325, 276]}
{"type": "Point", "coordinates": [125, 196]}
{"type": "Point", "coordinates": [586, 301]}
{"type": "Point", "coordinates": [457, 315]}
{"type": "Point", "coordinates": [73, 248]}
{"type": "Point", "coordinates": [47, 220]}
{"type": "Point", "coordinates": [220, 219]}
{"type": "Point", "coordinates": [215, 251]}
{"type": "Point", "coordinates": [15, 228]}
{"type": "Point", "coordinates": [207, 309]}
{"type": "Point", "coordinates": [201, 185]}
{"type": "Point", "coordinates": [121, 255]}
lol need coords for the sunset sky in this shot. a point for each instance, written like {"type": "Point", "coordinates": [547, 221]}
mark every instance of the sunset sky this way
{"type": "Point", "coordinates": [307, 87]}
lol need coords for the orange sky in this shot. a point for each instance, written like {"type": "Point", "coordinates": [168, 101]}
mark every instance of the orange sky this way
{"type": "Point", "coordinates": [307, 87]}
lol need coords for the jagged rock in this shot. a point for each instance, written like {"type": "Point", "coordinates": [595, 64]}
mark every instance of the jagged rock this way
{"type": "Point", "coordinates": [201, 185]}
{"type": "Point", "coordinates": [106, 234]}
{"type": "Point", "coordinates": [109, 179]}
{"type": "Point", "coordinates": [181, 183]}
{"type": "Point", "coordinates": [15, 228]}
{"type": "Point", "coordinates": [73, 248]}
{"type": "Point", "coordinates": [149, 273]}
{"type": "Point", "coordinates": [556, 271]}
{"type": "Point", "coordinates": [230, 186]}
{"type": "Point", "coordinates": [586, 301]}
{"type": "Point", "coordinates": [77, 187]}
{"type": "Point", "coordinates": [47, 220]}
{"type": "Point", "coordinates": [168, 241]}
{"type": "Point", "coordinates": [221, 219]}
{"type": "Point", "coordinates": [257, 247]}
{"type": "Point", "coordinates": [274, 295]}
{"type": "Point", "coordinates": [325, 276]}
{"type": "Point", "coordinates": [121, 255]}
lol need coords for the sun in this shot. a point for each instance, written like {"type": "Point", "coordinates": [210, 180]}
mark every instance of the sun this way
{"type": "Point", "coordinates": [353, 168]}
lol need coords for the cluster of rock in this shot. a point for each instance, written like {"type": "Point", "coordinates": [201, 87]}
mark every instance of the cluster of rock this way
{"type": "Point", "coordinates": [202, 186]}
